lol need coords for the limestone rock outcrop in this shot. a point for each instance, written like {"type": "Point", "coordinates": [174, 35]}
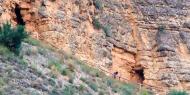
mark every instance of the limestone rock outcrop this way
{"type": "Point", "coordinates": [146, 41]}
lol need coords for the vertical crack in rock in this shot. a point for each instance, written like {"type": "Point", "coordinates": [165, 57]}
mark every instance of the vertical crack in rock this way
{"type": "Point", "coordinates": [19, 18]}
{"type": "Point", "coordinates": [131, 17]}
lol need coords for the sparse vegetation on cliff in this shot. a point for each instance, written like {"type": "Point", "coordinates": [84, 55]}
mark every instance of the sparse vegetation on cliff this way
{"type": "Point", "coordinates": [98, 25]}
{"type": "Point", "coordinates": [126, 38]}
{"type": "Point", "coordinates": [12, 37]}
{"type": "Point", "coordinates": [46, 70]}
{"type": "Point", "coordinates": [98, 4]}
{"type": "Point", "coordinates": [175, 92]}
{"type": "Point", "coordinates": [161, 28]}
{"type": "Point", "coordinates": [107, 30]}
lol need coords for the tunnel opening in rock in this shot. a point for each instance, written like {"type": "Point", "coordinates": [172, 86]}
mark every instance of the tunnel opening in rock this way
{"type": "Point", "coordinates": [19, 18]}
{"type": "Point", "coordinates": [139, 74]}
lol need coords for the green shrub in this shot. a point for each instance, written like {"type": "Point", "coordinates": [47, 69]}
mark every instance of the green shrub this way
{"type": "Point", "coordinates": [42, 51]}
{"type": "Point", "coordinates": [89, 70]}
{"type": "Point", "coordinates": [161, 28]}
{"type": "Point", "coordinates": [35, 42]}
{"type": "Point", "coordinates": [93, 86]}
{"type": "Point", "coordinates": [2, 91]}
{"type": "Point", "coordinates": [144, 92]}
{"type": "Point", "coordinates": [37, 71]}
{"type": "Point", "coordinates": [56, 64]}
{"type": "Point", "coordinates": [81, 87]}
{"type": "Point", "coordinates": [98, 4]}
{"type": "Point", "coordinates": [52, 81]}
{"type": "Point", "coordinates": [12, 37]}
{"type": "Point", "coordinates": [83, 79]}
{"type": "Point", "coordinates": [90, 83]}
{"type": "Point", "coordinates": [175, 92]}
{"type": "Point", "coordinates": [54, 92]}
{"type": "Point", "coordinates": [107, 30]}
{"type": "Point", "coordinates": [32, 41]}
{"type": "Point", "coordinates": [23, 63]}
{"type": "Point", "coordinates": [2, 82]}
{"type": "Point", "coordinates": [128, 89]}
{"type": "Point", "coordinates": [28, 52]}
{"type": "Point", "coordinates": [7, 54]}
{"type": "Point", "coordinates": [64, 72]}
{"type": "Point", "coordinates": [4, 50]}
{"type": "Point", "coordinates": [110, 82]}
{"type": "Point", "coordinates": [59, 67]}
{"type": "Point", "coordinates": [96, 23]}
{"type": "Point", "coordinates": [120, 87]}
{"type": "Point", "coordinates": [69, 90]}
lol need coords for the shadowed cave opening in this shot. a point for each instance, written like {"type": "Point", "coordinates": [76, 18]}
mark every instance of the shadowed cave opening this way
{"type": "Point", "coordinates": [139, 74]}
{"type": "Point", "coordinates": [19, 18]}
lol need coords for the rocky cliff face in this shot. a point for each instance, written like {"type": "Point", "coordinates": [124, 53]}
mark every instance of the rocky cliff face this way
{"type": "Point", "coordinates": [146, 41]}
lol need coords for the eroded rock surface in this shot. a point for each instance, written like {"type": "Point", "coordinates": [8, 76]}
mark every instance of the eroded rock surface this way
{"type": "Point", "coordinates": [133, 43]}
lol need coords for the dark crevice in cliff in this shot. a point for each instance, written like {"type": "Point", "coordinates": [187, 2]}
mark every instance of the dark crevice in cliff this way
{"type": "Point", "coordinates": [19, 18]}
{"type": "Point", "coordinates": [139, 74]}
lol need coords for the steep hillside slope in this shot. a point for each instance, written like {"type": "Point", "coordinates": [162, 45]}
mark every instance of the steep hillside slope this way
{"type": "Point", "coordinates": [146, 41]}
{"type": "Point", "coordinates": [41, 71]}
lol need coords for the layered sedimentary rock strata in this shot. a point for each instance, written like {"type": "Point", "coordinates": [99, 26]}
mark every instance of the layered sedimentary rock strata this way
{"type": "Point", "coordinates": [146, 41]}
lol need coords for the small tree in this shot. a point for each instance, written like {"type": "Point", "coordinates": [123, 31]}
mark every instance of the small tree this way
{"type": "Point", "coordinates": [96, 23]}
{"type": "Point", "coordinates": [175, 92]}
{"type": "Point", "coordinates": [12, 37]}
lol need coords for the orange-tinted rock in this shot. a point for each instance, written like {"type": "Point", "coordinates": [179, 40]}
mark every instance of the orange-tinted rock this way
{"type": "Point", "coordinates": [134, 43]}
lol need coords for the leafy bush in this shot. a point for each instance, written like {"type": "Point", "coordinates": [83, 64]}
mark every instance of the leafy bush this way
{"type": "Point", "coordinates": [96, 23]}
{"type": "Point", "coordinates": [2, 82]}
{"type": "Point", "coordinates": [55, 64]}
{"type": "Point", "coordinates": [69, 90]}
{"type": "Point", "coordinates": [22, 62]}
{"type": "Point", "coordinates": [52, 81]}
{"type": "Point", "coordinates": [4, 50]}
{"type": "Point", "coordinates": [107, 30]}
{"type": "Point", "coordinates": [42, 51]}
{"type": "Point", "coordinates": [12, 37]}
{"type": "Point", "coordinates": [90, 83]}
{"type": "Point", "coordinates": [93, 86]}
{"type": "Point", "coordinates": [161, 28]}
{"type": "Point", "coordinates": [89, 70]}
{"type": "Point", "coordinates": [81, 87]}
{"type": "Point", "coordinates": [64, 72]}
{"type": "Point", "coordinates": [32, 41]}
{"type": "Point", "coordinates": [128, 89]}
{"type": "Point", "coordinates": [54, 92]}
{"type": "Point", "coordinates": [110, 82]}
{"type": "Point", "coordinates": [120, 87]}
{"type": "Point", "coordinates": [35, 42]}
{"type": "Point", "coordinates": [98, 4]}
{"type": "Point", "coordinates": [175, 92]}
{"type": "Point", "coordinates": [58, 68]}
{"type": "Point", "coordinates": [144, 92]}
